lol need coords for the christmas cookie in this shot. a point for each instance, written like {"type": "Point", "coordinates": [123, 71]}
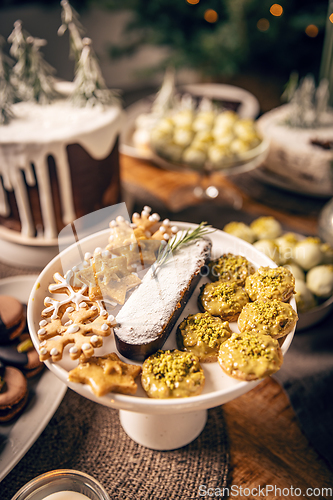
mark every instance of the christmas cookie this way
{"type": "Point", "coordinates": [222, 299]}
{"type": "Point", "coordinates": [248, 356]}
{"type": "Point", "coordinates": [271, 317]}
{"type": "Point", "coordinates": [172, 374]}
{"type": "Point", "coordinates": [230, 267]}
{"type": "Point", "coordinates": [271, 283]}
{"type": "Point", "coordinates": [106, 374]}
{"type": "Point", "coordinates": [12, 318]}
{"type": "Point", "coordinates": [13, 394]}
{"type": "Point", "coordinates": [202, 334]}
{"type": "Point", "coordinates": [75, 319]}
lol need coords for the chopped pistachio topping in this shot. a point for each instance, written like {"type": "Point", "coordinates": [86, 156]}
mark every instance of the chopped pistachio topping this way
{"type": "Point", "coordinates": [253, 346]}
{"type": "Point", "coordinates": [207, 329]}
{"type": "Point", "coordinates": [268, 311]}
{"type": "Point", "coordinates": [172, 366]}
{"type": "Point", "coordinates": [225, 290]}
{"type": "Point", "coordinates": [230, 267]}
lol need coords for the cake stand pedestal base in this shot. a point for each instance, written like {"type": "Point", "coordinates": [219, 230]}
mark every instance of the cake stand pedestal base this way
{"type": "Point", "coordinates": [163, 432]}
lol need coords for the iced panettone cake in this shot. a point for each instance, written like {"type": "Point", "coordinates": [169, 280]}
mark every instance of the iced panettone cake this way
{"type": "Point", "coordinates": [58, 140]}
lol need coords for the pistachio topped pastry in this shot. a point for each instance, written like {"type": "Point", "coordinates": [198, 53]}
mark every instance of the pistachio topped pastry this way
{"type": "Point", "coordinates": [202, 334]}
{"type": "Point", "coordinates": [224, 299]}
{"type": "Point", "coordinates": [172, 374]}
{"type": "Point", "coordinates": [230, 267]}
{"type": "Point", "coordinates": [249, 356]}
{"type": "Point", "coordinates": [271, 283]}
{"type": "Point", "coordinates": [271, 317]}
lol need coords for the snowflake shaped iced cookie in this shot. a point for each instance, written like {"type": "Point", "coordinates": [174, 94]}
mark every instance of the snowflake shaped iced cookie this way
{"type": "Point", "coordinates": [75, 319]}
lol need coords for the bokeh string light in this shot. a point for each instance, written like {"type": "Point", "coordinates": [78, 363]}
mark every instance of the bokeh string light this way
{"type": "Point", "coordinates": [311, 30]}
{"type": "Point", "coordinates": [276, 10]}
{"type": "Point", "coordinates": [263, 24]}
{"type": "Point", "coordinates": [211, 16]}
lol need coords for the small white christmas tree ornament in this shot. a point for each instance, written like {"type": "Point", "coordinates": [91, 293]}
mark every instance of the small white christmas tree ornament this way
{"type": "Point", "coordinates": [32, 77]}
{"type": "Point", "coordinates": [7, 92]}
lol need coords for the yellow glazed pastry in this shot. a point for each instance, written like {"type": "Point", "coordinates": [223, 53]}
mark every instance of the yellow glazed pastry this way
{"type": "Point", "coordinates": [202, 334]}
{"type": "Point", "coordinates": [172, 374]}
{"type": "Point", "coordinates": [271, 317]}
{"type": "Point", "coordinates": [250, 356]}
{"type": "Point", "coordinates": [230, 267]}
{"type": "Point", "coordinates": [222, 299]}
{"type": "Point", "coordinates": [271, 283]}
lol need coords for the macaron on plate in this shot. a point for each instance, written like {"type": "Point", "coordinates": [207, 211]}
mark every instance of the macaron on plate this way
{"type": "Point", "coordinates": [30, 398]}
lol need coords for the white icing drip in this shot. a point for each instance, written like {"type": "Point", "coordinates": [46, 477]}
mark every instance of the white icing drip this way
{"type": "Point", "coordinates": [86, 346]}
{"type": "Point", "coordinates": [75, 297]}
{"type": "Point", "coordinates": [41, 331]}
{"type": "Point", "coordinates": [94, 339]}
{"type": "Point", "coordinates": [104, 327]}
{"type": "Point", "coordinates": [39, 131]}
{"type": "Point", "coordinates": [54, 351]}
{"type": "Point", "coordinates": [4, 207]}
{"type": "Point", "coordinates": [43, 323]}
{"type": "Point", "coordinates": [45, 194]}
{"type": "Point", "coordinates": [102, 310]}
{"type": "Point", "coordinates": [151, 305]}
{"type": "Point", "coordinates": [73, 349]}
{"type": "Point", "coordinates": [43, 351]}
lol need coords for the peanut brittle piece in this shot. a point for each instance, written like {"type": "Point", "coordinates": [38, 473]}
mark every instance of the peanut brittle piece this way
{"type": "Point", "coordinates": [106, 374]}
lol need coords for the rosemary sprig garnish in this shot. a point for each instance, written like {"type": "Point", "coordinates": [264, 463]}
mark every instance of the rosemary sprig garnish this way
{"type": "Point", "coordinates": [166, 250]}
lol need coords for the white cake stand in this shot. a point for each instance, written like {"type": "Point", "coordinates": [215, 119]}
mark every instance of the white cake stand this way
{"type": "Point", "coordinates": [157, 424]}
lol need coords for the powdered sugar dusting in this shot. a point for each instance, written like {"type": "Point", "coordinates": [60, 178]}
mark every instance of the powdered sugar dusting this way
{"type": "Point", "coordinates": [150, 307]}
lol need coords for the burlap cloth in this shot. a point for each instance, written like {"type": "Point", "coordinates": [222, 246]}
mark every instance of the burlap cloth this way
{"type": "Point", "coordinates": [86, 436]}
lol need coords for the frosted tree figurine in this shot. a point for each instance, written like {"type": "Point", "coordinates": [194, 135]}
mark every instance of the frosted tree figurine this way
{"type": "Point", "coordinates": [90, 88]}
{"type": "Point", "coordinates": [70, 22]}
{"type": "Point", "coordinates": [32, 76]}
{"type": "Point", "coordinates": [7, 92]}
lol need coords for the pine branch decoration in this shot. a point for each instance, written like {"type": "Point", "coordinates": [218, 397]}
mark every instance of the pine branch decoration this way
{"type": "Point", "coordinates": [167, 250]}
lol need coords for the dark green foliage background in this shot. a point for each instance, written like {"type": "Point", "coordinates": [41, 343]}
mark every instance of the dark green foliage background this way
{"type": "Point", "coordinates": [230, 46]}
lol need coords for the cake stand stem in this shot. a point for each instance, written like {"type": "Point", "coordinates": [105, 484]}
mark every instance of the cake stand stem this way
{"type": "Point", "coordinates": [163, 432]}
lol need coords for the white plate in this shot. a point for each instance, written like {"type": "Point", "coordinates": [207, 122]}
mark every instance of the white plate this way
{"type": "Point", "coordinates": [249, 108]}
{"type": "Point", "coordinates": [48, 394]}
{"type": "Point", "coordinates": [219, 388]}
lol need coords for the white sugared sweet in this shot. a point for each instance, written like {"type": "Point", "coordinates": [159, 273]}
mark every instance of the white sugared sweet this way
{"type": "Point", "coordinates": [269, 248]}
{"type": "Point", "coordinates": [286, 244]}
{"type": "Point", "coordinates": [296, 271]}
{"type": "Point", "coordinates": [327, 252]}
{"type": "Point", "coordinates": [305, 299]}
{"type": "Point", "coordinates": [240, 230]}
{"type": "Point", "coordinates": [307, 253]}
{"type": "Point", "coordinates": [266, 228]}
{"type": "Point", "coordinates": [320, 280]}
{"type": "Point", "coordinates": [194, 157]}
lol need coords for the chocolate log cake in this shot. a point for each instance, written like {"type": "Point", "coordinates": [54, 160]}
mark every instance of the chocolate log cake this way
{"type": "Point", "coordinates": [148, 316]}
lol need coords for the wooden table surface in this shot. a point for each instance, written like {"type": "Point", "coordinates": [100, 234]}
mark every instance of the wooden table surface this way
{"type": "Point", "coordinates": [267, 446]}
